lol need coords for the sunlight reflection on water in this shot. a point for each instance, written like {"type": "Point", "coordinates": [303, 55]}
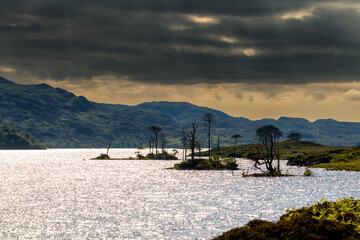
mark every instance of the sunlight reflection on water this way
{"type": "Point", "coordinates": [61, 194]}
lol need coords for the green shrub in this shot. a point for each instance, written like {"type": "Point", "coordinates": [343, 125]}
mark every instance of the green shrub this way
{"type": "Point", "coordinates": [295, 229]}
{"type": "Point", "coordinates": [325, 220]}
{"type": "Point", "coordinates": [230, 163]}
{"type": "Point", "coordinates": [308, 172]}
{"type": "Point", "coordinates": [345, 210]}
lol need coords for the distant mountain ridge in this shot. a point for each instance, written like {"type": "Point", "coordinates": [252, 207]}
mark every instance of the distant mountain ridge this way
{"type": "Point", "coordinates": [324, 131]}
{"type": "Point", "coordinates": [58, 118]}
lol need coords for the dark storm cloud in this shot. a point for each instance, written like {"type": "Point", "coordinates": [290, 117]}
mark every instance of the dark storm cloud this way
{"type": "Point", "coordinates": [182, 41]}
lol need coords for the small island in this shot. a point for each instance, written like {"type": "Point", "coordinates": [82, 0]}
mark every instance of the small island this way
{"type": "Point", "coordinates": [163, 155]}
{"type": "Point", "coordinates": [159, 156]}
{"type": "Point", "coordinates": [214, 163]}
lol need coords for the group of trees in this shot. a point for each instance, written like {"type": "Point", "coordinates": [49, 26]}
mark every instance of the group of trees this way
{"type": "Point", "coordinates": [189, 138]}
{"type": "Point", "coordinates": [154, 139]}
{"type": "Point", "coordinates": [266, 149]}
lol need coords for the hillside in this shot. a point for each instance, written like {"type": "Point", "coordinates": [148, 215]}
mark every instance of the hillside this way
{"type": "Point", "coordinates": [346, 158]}
{"type": "Point", "coordinates": [58, 118]}
{"type": "Point", "coordinates": [288, 149]}
{"type": "Point", "coordinates": [12, 138]}
{"type": "Point", "coordinates": [323, 131]}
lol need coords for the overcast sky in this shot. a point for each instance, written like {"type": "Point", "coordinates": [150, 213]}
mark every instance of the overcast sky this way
{"type": "Point", "coordinates": [255, 59]}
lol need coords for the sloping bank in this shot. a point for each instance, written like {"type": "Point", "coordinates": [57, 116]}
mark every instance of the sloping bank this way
{"type": "Point", "coordinates": [13, 138]}
{"type": "Point", "coordinates": [347, 159]}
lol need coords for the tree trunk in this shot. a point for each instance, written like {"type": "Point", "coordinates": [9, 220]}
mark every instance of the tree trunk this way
{"type": "Point", "coordinates": [156, 144]}
{"type": "Point", "coordinates": [209, 139]}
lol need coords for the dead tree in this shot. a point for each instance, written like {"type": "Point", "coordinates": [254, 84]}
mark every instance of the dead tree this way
{"type": "Point", "coordinates": [155, 130]}
{"type": "Point", "coordinates": [208, 118]}
{"type": "Point", "coordinates": [194, 126]}
{"type": "Point", "coordinates": [107, 152]}
{"type": "Point", "coordinates": [151, 144]}
{"type": "Point", "coordinates": [235, 137]}
{"type": "Point", "coordinates": [184, 143]}
{"type": "Point", "coordinates": [163, 145]}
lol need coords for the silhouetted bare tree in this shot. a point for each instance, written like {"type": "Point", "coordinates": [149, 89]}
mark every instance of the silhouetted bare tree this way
{"type": "Point", "coordinates": [235, 137]}
{"type": "Point", "coordinates": [155, 130]}
{"type": "Point", "coordinates": [208, 118]}
{"type": "Point", "coordinates": [107, 152]}
{"type": "Point", "coordinates": [163, 145]}
{"type": "Point", "coordinates": [184, 143]}
{"type": "Point", "coordinates": [151, 140]}
{"type": "Point", "coordinates": [194, 126]}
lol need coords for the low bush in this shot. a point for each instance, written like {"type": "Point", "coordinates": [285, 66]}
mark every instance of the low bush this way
{"type": "Point", "coordinates": [325, 220]}
{"type": "Point", "coordinates": [345, 210]}
{"type": "Point", "coordinates": [307, 172]}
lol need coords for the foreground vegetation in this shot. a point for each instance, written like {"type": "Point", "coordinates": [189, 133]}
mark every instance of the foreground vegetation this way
{"type": "Point", "coordinates": [12, 138]}
{"type": "Point", "coordinates": [323, 220]}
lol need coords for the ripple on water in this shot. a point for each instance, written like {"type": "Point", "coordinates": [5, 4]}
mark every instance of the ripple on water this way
{"type": "Point", "coordinates": [57, 194]}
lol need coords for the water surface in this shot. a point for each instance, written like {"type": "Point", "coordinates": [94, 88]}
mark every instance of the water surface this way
{"type": "Point", "coordinates": [61, 194]}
